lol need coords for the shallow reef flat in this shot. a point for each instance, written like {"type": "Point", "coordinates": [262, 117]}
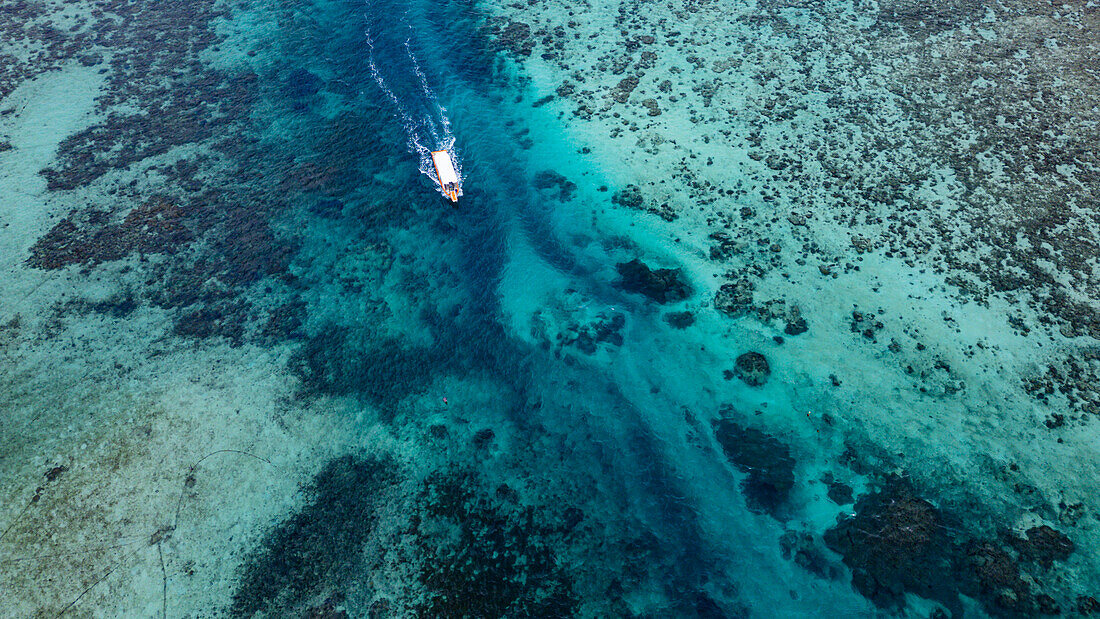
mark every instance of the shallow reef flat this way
{"type": "Point", "coordinates": [895, 205]}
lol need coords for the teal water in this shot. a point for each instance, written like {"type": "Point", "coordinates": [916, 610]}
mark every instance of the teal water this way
{"type": "Point", "coordinates": [258, 366]}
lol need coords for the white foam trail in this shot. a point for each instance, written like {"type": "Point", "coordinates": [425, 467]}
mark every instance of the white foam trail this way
{"type": "Point", "coordinates": [432, 130]}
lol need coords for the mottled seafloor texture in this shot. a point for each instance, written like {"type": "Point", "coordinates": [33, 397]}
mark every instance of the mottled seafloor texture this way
{"type": "Point", "coordinates": [771, 309]}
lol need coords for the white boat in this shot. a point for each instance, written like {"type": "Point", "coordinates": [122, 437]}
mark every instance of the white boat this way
{"type": "Point", "coordinates": [449, 182]}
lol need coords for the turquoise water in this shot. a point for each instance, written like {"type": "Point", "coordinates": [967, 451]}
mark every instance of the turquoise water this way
{"type": "Point", "coordinates": [256, 365]}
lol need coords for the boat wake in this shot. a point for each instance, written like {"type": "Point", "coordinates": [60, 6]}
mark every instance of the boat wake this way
{"type": "Point", "coordinates": [400, 77]}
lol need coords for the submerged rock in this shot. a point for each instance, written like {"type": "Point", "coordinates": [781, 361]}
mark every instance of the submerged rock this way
{"type": "Point", "coordinates": [680, 320]}
{"type": "Point", "coordinates": [838, 491]}
{"type": "Point", "coordinates": [483, 437]}
{"type": "Point", "coordinates": [587, 337]}
{"type": "Point", "coordinates": [998, 577]}
{"type": "Point", "coordinates": [894, 543]}
{"type": "Point", "coordinates": [622, 91]}
{"type": "Point", "coordinates": [898, 543]}
{"type": "Point", "coordinates": [796, 323]}
{"type": "Point", "coordinates": [752, 367]}
{"type": "Point", "coordinates": [629, 196]}
{"type": "Point", "coordinates": [734, 299]}
{"type": "Point", "coordinates": [1044, 545]}
{"type": "Point", "coordinates": [516, 38]}
{"type": "Point", "coordinates": [724, 246]}
{"type": "Point", "coordinates": [660, 285]}
{"type": "Point", "coordinates": [766, 461]}
{"type": "Point", "coordinates": [808, 553]}
{"type": "Point", "coordinates": [1087, 605]}
{"type": "Point", "coordinates": [559, 187]}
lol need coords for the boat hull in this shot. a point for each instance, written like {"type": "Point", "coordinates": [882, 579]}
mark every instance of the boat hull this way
{"type": "Point", "coordinates": [445, 172]}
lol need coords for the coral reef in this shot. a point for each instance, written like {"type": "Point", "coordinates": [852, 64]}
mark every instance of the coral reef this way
{"type": "Point", "coordinates": [659, 285]}
{"type": "Point", "coordinates": [766, 461]}
{"type": "Point", "coordinates": [505, 555]}
{"type": "Point", "coordinates": [319, 544]}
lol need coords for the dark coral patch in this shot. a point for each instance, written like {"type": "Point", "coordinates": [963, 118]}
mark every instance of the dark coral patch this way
{"type": "Point", "coordinates": [515, 37]}
{"type": "Point", "coordinates": [766, 461]}
{"type": "Point", "coordinates": [1043, 545]}
{"type": "Point", "coordinates": [491, 560]}
{"type": "Point", "coordinates": [213, 320]}
{"type": "Point", "coordinates": [285, 322]}
{"type": "Point", "coordinates": [587, 337]}
{"type": "Point", "coordinates": [660, 285]}
{"type": "Point", "coordinates": [556, 185]}
{"type": "Point", "coordinates": [752, 367]}
{"type": "Point", "coordinates": [680, 320]}
{"type": "Point", "coordinates": [898, 543]}
{"type": "Point", "coordinates": [629, 196]}
{"type": "Point", "coordinates": [153, 228]}
{"type": "Point", "coordinates": [735, 299]}
{"type": "Point", "coordinates": [249, 248]}
{"type": "Point", "coordinates": [333, 363]}
{"type": "Point", "coordinates": [997, 578]}
{"type": "Point", "coordinates": [319, 544]}
{"type": "Point", "coordinates": [895, 543]}
{"type": "Point", "coordinates": [211, 220]}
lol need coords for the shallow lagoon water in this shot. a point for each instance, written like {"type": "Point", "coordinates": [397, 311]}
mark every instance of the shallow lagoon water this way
{"type": "Point", "coordinates": [255, 364]}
